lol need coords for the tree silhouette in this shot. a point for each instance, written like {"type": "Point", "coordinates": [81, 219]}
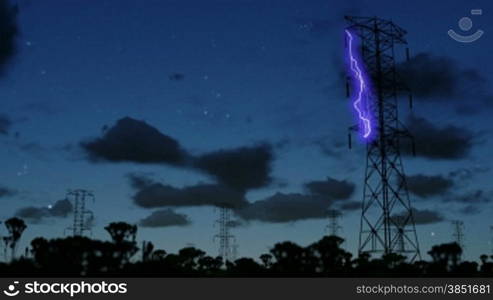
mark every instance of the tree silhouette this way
{"type": "Point", "coordinates": [158, 254]}
{"type": "Point", "coordinates": [208, 265]}
{"type": "Point", "coordinates": [82, 256]}
{"type": "Point", "coordinates": [147, 250]}
{"type": "Point", "coordinates": [15, 227]}
{"type": "Point", "coordinates": [445, 257]}
{"type": "Point", "coordinates": [189, 258]}
{"type": "Point", "coordinates": [266, 260]}
{"type": "Point", "coordinates": [121, 232]}
{"type": "Point", "coordinates": [123, 236]}
{"type": "Point", "coordinates": [289, 258]}
{"type": "Point", "coordinates": [329, 257]}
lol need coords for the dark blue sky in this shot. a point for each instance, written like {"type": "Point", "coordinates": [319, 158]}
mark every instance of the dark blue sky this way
{"type": "Point", "coordinates": [254, 72]}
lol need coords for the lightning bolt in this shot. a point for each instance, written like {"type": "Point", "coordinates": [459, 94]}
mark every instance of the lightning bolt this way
{"type": "Point", "coordinates": [362, 90]}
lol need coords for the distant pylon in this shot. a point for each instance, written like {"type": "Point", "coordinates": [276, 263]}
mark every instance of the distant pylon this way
{"type": "Point", "coordinates": [226, 239]}
{"type": "Point", "coordinates": [491, 238]}
{"type": "Point", "coordinates": [234, 254]}
{"type": "Point", "coordinates": [333, 227]}
{"type": "Point", "coordinates": [458, 233]}
{"type": "Point", "coordinates": [385, 193]}
{"type": "Point", "coordinates": [82, 217]}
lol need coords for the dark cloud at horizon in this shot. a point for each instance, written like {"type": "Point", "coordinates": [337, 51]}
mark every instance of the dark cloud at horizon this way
{"type": "Point", "coordinates": [331, 188]}
{"type": "Point", "coordinates": [281, 208]}
{"type": "Point", "coordinates": [151, 194]}
{"type": "Point", "coordinates": [61, 209]}
{"type": "Point", "coordinates": [438, 143]}
{"type": "Point", "coordinates": [426, 216]}
{"type": "Point", "coordinates": [470, 210]}
{"type": "Point", "coordinates": [165, 218]}
{"type": "Point", "coordinates": [7, 192]}
{"type": "Point", "coordinates": [470, 197]}
{"type": "Point", "coordinates": [426, 186]}
{"type": "Point", "coordinates": [422, 216]}
{"type": "Point", "coordinates": [241, 168]}
{"type": "Point", "coordinates": [440, 78]}
{"type": "Point", "coordinates": [350, 206]}
{"type": "Point", "coordinates": [131, 140]}
{"type": "Point", "coordinates": [446, 189]}
{"type": "Point", "coordinates": [235, 223]}
{"type": "Point", "coordinates": [464, 174]}
{"type": "Point", "coordinates": [277, 208]}
{"type": "Point", "coordinates": [321, 195]}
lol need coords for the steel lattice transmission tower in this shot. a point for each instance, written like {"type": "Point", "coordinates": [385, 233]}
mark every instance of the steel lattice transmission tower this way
{"type": "Point", "coordinates": [387, 221]}
{"type": "Point", "coordinates": [333, 227]}
{"type": "Point", "coordinates": [226, 239]}
{"type": "Point", "coordinates": [458, 233]}
{"type": "Point", "coordinates": [82, 216]}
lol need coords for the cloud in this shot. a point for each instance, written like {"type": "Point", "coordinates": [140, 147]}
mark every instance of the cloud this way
{"type": "Point", "coordinates": [320, 195]}
{"type": "Point", "coordinates": [426, 186]}
{"type": "Point", "coordinates": [440, 78]}
{"type": "Point", "coordinates": [176, 76]}
{"type": "Point", "coordinates": [165, 218]}
{"type": "Point", "coordinates": [432, 142]}
{"type": "Point", "coordinates": [277, 208]}
{"type": "Point", "coordinates": [331, 188]}
{"type": "Point", "coordinates": [241, 168]}
{"type": "Point", "coordinates": [7, 192]}
{"type": "Point", "coordinates": [426, 216]}
{"type": "Point", "coordinates": [422, 217]}
{"type": "Point", "coordinates": [469, 210]}
{"type": "Point", "coordinates": [280, 208]}
{"type": "Point", "coordinates": [5, 124]}
{"type": "Point", "coordinates": [8, 33]}
{"type": "Point", "coordinates": [464, 174]}
{"type": "Point", "coordinates": [61, 209]}
{"type": "Point", "coordinates": [470, 197]}
{"type": "Point", "coordinates": [235, 223]}
{"type": "Point", "coordinates": [33, 214]}
{"type": "Point", "coordinates": [131, 140]}
{"type": "Point", "coordinates": [350, 206]}
{"type": "Point", "coordinates": [151, 194]}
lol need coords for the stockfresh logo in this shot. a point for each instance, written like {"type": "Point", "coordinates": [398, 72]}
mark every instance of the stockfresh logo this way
{"type": "Point", "coordinates": [70, 288]}
{"type": "Point", "coordinates": [12, 290]}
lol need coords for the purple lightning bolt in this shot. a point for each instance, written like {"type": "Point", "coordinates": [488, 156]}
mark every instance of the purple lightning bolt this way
{"type": "Point", "coordinates": [362, 91]}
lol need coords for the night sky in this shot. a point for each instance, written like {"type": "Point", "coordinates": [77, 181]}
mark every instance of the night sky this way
{"type": "Point", "coordinates": [167, 109]}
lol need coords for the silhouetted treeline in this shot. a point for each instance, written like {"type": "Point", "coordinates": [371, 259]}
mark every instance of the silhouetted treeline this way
{"type": "Point", "coordinates": [82, 256]}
